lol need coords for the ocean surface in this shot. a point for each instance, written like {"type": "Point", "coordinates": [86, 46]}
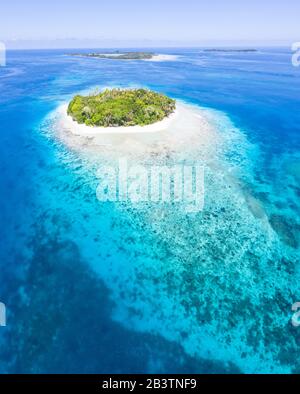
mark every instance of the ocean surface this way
{"type": "Point", "coordinates": [93, 287]}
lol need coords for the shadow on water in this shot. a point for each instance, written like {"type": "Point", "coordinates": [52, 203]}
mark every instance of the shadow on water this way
{"type": "Point", "coordinates": [60, 322]}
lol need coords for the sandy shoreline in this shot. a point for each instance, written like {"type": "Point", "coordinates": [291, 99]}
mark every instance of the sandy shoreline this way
{"type": "Point", "coordinates": [154, 58]}
{"type": "Point", "coordinates": [188, 129]}
{"type": "Point", "coordinates": [162, 58]}
{"type": "Point", "coordinates": [88, 131]}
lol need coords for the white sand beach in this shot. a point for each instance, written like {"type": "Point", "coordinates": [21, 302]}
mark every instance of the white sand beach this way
{"type": "Point", "coordinates": [162, 58]}
{"type": "Point", "coordinates": [88, 131]}
{"type": "Point", "coordinates": [154, 58]}
{"type": "Point", "coordinates": [189, 128]}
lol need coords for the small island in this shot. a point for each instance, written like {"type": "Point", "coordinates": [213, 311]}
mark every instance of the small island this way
{"type": "Point", "coordinates": [228, 50]}
{"type": "Point", "coordinates": [121, 107]}
{"type": "Point", "coordinates": [118, 56]}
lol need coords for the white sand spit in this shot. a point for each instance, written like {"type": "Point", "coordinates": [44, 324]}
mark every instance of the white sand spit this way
{"type": "Point", "coordinates": [162, 58]}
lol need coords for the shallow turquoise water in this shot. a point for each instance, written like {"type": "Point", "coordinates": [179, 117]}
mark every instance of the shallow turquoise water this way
{"type": "Point", "coordinates": [93, 287]}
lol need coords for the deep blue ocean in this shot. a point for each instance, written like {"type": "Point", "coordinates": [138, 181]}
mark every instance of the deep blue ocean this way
{"type": "Point", "coordinates": [92, 288]}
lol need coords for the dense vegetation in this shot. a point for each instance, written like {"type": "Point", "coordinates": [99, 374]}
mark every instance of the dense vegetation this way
{"type": "Point", "coordinates": [119, 56]}
{"type": "Point", "coordinates": [121, 107]}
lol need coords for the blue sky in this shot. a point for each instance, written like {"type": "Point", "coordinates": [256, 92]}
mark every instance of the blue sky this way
{"type": "Point", "coordinates": [182, 21]}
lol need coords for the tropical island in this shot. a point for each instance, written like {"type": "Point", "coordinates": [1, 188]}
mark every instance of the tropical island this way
{"type": "Point", "coordinates": [228, 50]}
{"type": "Point", "coordinates": [118, 56]}
{"type": "Point", "coordinates": [121, 107]}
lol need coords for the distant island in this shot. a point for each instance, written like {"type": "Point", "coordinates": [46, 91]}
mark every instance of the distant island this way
{"type": "Point", "coordinates": [118, 56]}
{"type": "Point", "coordinates": [229, 50]}
{"type": "Point", "coordinates": [121, 107]}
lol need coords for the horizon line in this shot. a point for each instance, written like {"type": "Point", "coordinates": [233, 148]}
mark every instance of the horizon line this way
{"type": "Point", "coordinates": [84, 43]}
{"type": "Point", "coordinates": [151, 47]}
